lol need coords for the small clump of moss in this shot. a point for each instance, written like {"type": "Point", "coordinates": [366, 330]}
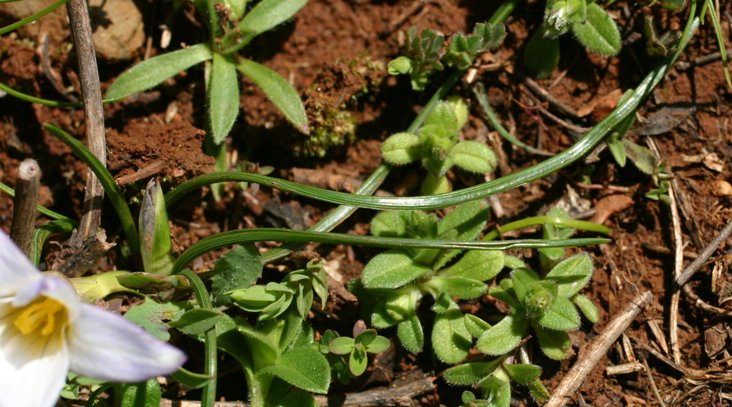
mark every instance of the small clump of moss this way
{"type": "Point", "coordinates": [328, 100]}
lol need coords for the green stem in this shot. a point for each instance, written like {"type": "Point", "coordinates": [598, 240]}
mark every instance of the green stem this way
{"type": "Point", "coordinates": [541, 220]}
{"type": "Point", "coordinates": [51, 214]}
{"type": "Point", "coordinates": [32, 99]}
{"type": "Point", "coordinates": [208, 397]}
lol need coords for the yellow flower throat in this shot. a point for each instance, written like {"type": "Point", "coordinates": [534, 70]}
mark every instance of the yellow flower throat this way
{"type": "Point", "coordinates": [46, 315]}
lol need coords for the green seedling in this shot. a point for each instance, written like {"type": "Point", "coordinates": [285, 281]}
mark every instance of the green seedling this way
{"type": "Point", "coordinates": [589, 23]}
{"type": "Point", "coordinates": [348, 357]}
{"type": "Point", "coordinates": [437, 146]}
{"type": "Point", "coordinates": [493, 377]}
{"type": "Point", "coordinates": [230, 29]}
{"type": "Point", "coordinates": [548, 306]}
{"type": "Point", "coordinates": [425, 53]}
{"type": "Point", "coordinates": [395, 281]}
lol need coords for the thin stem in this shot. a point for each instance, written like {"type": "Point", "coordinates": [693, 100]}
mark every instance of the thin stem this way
{"type": "Point", "coordinates": [91, 94]}
{"type": "Point", "coordinates": [208, 398]}
{"type": "Point", "coordinates": [24, 206]}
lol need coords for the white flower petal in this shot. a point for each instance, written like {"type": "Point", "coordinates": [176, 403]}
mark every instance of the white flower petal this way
{"type": "Point", "coordinates": [108, 347]}
{"type": "Point", "coordinates": [33, 368]}
{"type": "Point", "coordinates": [52, 287]}
{"type": "Point", "coordinates": [15, 269]}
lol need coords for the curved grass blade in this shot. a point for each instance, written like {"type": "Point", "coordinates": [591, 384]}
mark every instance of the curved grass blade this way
{"type": "Point", "coordinates": [110, 187]}
{"type": "Point", "coordinates": [508, 182]}
{"type": "Point", "coordinates": [51, 214]}
{"type": "Point", "coordinates": [32, 99]}
{"type": "Point", "coordinates": [154, 71]}
{"type": "Point", "coordinates": [541, 220]}
{"type": "Point", "coordinates": [277, 90]}
{"type": "Point", "coordinates": [243, 236]}
{"type": "Point", "coordinates": [31, 18]}
{"type": "Point", "coordinates": [208, 398]}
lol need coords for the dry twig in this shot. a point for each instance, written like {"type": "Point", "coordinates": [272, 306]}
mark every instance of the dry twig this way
{"type": "Point", "coordinates": [596, 350]}
{"type": "Point", "coordinates": [24, 207]}
{"type": "Point", "coordinates": [91, 95]}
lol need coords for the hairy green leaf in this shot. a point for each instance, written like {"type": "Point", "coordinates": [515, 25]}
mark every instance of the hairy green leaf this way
{"type": "Point", "coordinates": [481, 265]}
{"type": "Point", "coordinates": [196, 321]}
{"type": "Point", "coordinates": [392, 269]}
{"type": "Point", "coordinates": [342, 345]}
{"type": "Point", "coordinates": [598, 32]}
{"type": "Point", "coordinates": [411, 335]}
{"type": "Point", "coordinates": [561, 316]}
{"type": "Point", "coordinates": [154, 71]}
{"type": "Point", "coordinates": [401, 148]}
{"type": "Point", "coordinates": [302, 367]}
{"type": "Point", "coordinates": [151, 315]}
{"type": "Point", "coordinates": [475, 325]}
{"type": "Point", "coordinates": [502, 337]}
{"type": "Point", "coordinates": [451, 340]}
{"type": "Point", "coordinates": [222, 96]}
{"type": "Point", "coordinates": [522, 373]}
{"type": "Point", "coordinates": [571, 274]}
{"type": "Point", "coordinates": [461, 287]}
{"type": "Point", "coordinates": [555, 344]}
{"type": "Point", "coordinates": [277, 90]}
{"type": "Point", "coordinates": [588, 309]}
{"type": "Point", "coordinates": [474, 157]}
{"type": "Point", "coordinates": [268, 14]}
{"type": "Point", "coordinates": [471, 372]}
{"type": "Point", "coordinates": [145, 394]}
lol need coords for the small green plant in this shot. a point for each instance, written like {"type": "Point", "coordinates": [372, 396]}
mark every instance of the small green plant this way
{"type": "Point", "coordinates": [231, 28]}
{"type": "Point", "coordinates": [425, 53]}
{"type": "Point", "coordinates": [589, 23]}
{"type": "Point", "coordinates": [395, 281]}
{"type": "Point", "coordinates": [348, 357]}
{"type": "Point", "coordinates": [437, 146]}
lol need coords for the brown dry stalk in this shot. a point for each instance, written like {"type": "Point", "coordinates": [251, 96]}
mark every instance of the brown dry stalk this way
{"type": "Point", "coordinates": [91, 94]}
{"type": "Point", "coordinates": [596, 350]}
{"type": "Point", "coordinates": [24, 206]}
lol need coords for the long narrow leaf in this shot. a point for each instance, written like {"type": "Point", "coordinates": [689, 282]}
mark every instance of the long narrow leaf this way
{"type": "Point", "coordinates": [153, 71]}
{"type": "Point", "coordinates": [51, 214]}
{"type": "Point", "coordinates": [278, 91]}
{"type": "Point", "coordinates": [110, 187]}
{"type": "Point", "coordinates": [268, 14]}
{"type": "Point", "coordinates": [223, 97]}
{"type": "Point", "coordinates": [243, 236]}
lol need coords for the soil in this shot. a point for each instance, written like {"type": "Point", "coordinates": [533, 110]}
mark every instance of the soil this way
{"type": "Point", "coordinates": [334, 53]}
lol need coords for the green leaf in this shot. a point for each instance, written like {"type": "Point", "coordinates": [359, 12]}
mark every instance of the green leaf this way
{"type": "Point", "coordinates": [145, 394]}
{"type": "Point", "coordinates": [388, 224]}
{"type": "Point", "coordinates": [342, 345]}
{"type": "Point", "coordinates": [588, 309]}
{"type": "Point", "coordinates": [598, 33]}
{"type": "Point", "coordinates": [237, 269]}
{"type": "Point", "coordinates": [277, 90]}
{"type": "Point", "coordinates": [555, 344]}
{"type": "Point", "coordinates": [196, 321]}
{"type": "Point", "coordinates": [358, 360]}
{"type": "Point", "coordinates": [561, 316]}
{"type": "Point", "coordinates": [496, 390]}
{"type": "Point", "coordinates": [378, 345]}
{"type": "Point", "coordinates": [392, 269]}
{"type": "Point", "coordinates": [268, 14]}
{"type": "Point", "coordinates": [302, 367]}
{"type": "Point", "coordinates": [451, 340]}
{"type": "Point", "coordinates": [502, 337]}
{"type": "Point", "coordinates": [366, 336]}
{"type": "Point", "coordinates": [151, 315]}
{"type": "Point", "coordinates": [470, 373]}
{"type": "Point", "coordinates": [541, 55]}
{"type": "Point", "coordinates": [223, 96]}
{"type": "Point", "coordinates": [411, 335]}
{"type": "Point", "coordinates": [522, 373]}
{"type": "Point", "coordinates": [475, 325]}
{"type": "Point", "coordinates": [465, 222]}
{"type": "Point", "coordinates": [155, 243]}
{"type": "Point", "coordinates": [474, 157]}
{"type": "Point", "coordinates": [641, 157]}
{"type": "Point", "coordinates": [617, 149]}
{"type": "Point", "coordinates": [523, 280]}
{"type": "Point", "coordinates": [155, 70]}
{"type": "Point", "coordinates": [571, 274]}
{"type": "Point", "coordinates": [461, 287]}
{"type": "Point", "coordinates": [481, 265]}
{"type": "Point", "coordinates": [401, 148]}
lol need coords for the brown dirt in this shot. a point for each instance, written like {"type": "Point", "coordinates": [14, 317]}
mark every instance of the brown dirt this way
{"type": "Point", "coordinates": [333, 53]}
